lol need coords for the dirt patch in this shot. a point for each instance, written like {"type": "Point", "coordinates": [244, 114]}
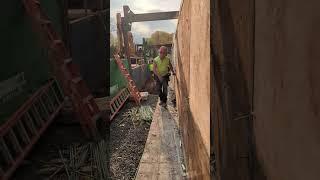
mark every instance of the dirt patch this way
{"type": "Point", "coordinates": [127, 143]}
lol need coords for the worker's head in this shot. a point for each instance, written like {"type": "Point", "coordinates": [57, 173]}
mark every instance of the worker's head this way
{"type": "Point", "coordinates": [163, 52]}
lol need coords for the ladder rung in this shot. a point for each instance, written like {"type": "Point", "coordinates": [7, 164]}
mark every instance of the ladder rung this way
{"type": "Point", "coordinates": [45, 110]}
{"type": "Point", "coordinates": [51, 103]}
{"type": "Point", "coordinates": [114, 106]}
{"type": "Point", "coordinates": [116, 103]}
{"type": "Point", "coordinates": [30, 124]}
{"type": "Point", "coordinates": [15, 141]}
{"type": "Point", "coordinates": [113, 110]}
{"type": "Point", "coordinates": [58, 92]}
{"type": "Point", "coordinates": [55, 95]}
{"type": "Point", "coordinates": [5, 151]}
{"type": "Point", "coordinates": [36, 114]}
{"type": "Point", "coordinates": [23, 133]}
{"type": "Point", "coordinates": [76, 80]}
{"type": "Point", "coordinates": [120, 101]}
{"type": "Point", "coordinates": [121, 97]}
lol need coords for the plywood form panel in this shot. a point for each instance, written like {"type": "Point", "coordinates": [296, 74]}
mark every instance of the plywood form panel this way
{"type": "Point", "coordinates": [233, 74]}
{"type": "Point", "coordinates": [183, 38]}
{"type": "Point", "coordinates": [200, 68]}
{"type": "Point", "coordinates": [287, 87]}
{"type": "Point", "coordinates": [197, 156]}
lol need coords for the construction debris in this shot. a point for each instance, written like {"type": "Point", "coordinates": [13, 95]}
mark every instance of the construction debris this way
{"type": "Point", "coordinates": [88, 161]}
{"type": "Point", "coordinates": [139, 115]}
{"type": "Point", "coordinates": [144, 95]}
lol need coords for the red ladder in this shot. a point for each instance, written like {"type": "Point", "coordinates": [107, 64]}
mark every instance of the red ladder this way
{"type": "Point", "coordinates": [118, 101]}
{"type": "Point", "coordinates": [132, 86]}
{"type": "Point", "coordinates": [19, 133]}
{"type": "Point", "coordinates": [67, 72]}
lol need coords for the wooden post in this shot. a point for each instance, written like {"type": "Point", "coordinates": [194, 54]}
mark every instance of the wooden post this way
{"type": "Point", "coordinates": [126, 28]}
{"type": "Point", "coordinates": [120, 35]}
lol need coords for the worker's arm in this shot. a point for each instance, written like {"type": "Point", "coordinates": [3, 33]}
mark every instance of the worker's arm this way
{"type": "Point", "coordinates": [155, 71]}
{"type": "Point", "coordinates": [171, 68]}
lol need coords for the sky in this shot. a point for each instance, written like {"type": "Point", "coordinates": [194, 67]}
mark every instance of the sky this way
{"type": "Point", "coordinates": [145, 29]}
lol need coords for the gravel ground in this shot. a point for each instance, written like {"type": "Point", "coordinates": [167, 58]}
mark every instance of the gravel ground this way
{"type": "Point", "coordinates": [127, 143]}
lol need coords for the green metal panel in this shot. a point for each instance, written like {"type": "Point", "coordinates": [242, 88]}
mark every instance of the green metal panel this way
{"type": "Point", "coordinates": [116, 78]}
{"type": "Point", "coordinates": [21, 50]}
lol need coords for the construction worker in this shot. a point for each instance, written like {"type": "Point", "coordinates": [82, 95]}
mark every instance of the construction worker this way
{"type": "Point", "coordinates": [161, 66]}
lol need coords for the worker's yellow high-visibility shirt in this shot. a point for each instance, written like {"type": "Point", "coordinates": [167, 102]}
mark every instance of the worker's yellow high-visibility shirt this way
{"type": "Point", "coordinates": [162, 65]}
{"type": "Point", "coordinates": [151, 67]}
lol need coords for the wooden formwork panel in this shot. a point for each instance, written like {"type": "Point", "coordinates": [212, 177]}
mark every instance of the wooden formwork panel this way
{"type": "Point", "coordinates": [183, 45]}
{"type": "Point", "coordinates": [287, 86]}
{"type": "Point", "coordinates": [193, 85]}
{"type": "Point", "coordinates": [233, 71]}
{"type": "Point", "coordinates": [199, 92]}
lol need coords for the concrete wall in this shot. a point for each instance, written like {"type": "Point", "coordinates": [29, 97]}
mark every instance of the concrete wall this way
{"type": "Point", "coordinates": [192, 62]}
{"type": "Point", "coordinates": [287, 86]}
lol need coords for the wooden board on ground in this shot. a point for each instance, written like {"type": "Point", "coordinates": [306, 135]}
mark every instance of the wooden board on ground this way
{"type": "Point", "coordinates": [161, 158]}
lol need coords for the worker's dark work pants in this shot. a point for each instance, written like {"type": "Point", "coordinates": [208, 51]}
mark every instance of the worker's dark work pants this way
{"type": "Point", "coordinates": [162, 88]}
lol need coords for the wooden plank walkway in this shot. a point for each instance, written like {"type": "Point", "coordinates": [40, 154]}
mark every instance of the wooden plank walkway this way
{"type": "Point", "coordinates": [162, 156]}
